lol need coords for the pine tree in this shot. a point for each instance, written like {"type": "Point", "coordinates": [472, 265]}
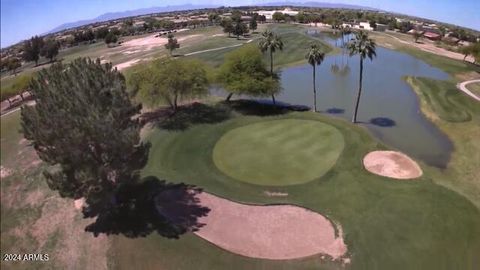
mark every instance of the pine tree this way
{"type": "Point", "coordinates": [83, 127]}
{"type": "Point", "coordinates": [32, 48]}
{"type": "Point", "coordinates": [253, 25]}
{"type": "Point", "coordinates": [172, 43]}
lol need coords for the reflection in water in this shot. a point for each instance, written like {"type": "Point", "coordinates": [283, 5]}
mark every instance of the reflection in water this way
{"type": "Point", "coordinates": [382, 122]}
{"type": "Point", "coordinates": [335, 111]}
{"type": "Point", "coordinates": [388, 107]}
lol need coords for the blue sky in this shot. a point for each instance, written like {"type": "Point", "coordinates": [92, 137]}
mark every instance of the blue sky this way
{"type": "Point", "coordinates": [20, 19]}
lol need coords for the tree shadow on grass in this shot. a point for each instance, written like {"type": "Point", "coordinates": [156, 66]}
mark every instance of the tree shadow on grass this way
{"type": "Point", "coordinates": [262, 108]}
{"type": "Point", "coordinates": [152, 206]}
{"type": "Point", "coordinates": [187, 116]}
{"type": "Point", "coordinates": [382, 122]}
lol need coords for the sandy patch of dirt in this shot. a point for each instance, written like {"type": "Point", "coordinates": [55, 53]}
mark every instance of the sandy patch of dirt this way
{"type": "Point", "coordinates": [5, 172]}
{"type": "Point", "coordinates": [429, 46]}
{"type": "Point", "coordinates": [79, 203]}
{"type": "Point", "coordinates": [392, 164]}
{"type": "Point", "coordinates": [59, 229]}
{"type": "Point", "coordinates": [23, 141]}
{"type": "Point", "coordinates": [74, 243]}
{"type": "Point", "coordinates": [35, 198]}
{"type": "Point", "coordinates": [130, 52]}
{"type": "Point", "coordinates": [149, 42]}
{"type": "Point", "coordinates": [127, 64]}
{"type": "Point", "coordinates": [277, 232]}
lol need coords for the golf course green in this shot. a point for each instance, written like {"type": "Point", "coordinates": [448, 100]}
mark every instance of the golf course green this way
{"type": "Point", "coordinates": [385, 222]}
{"type": "Point", "coordinates": [279, 152]}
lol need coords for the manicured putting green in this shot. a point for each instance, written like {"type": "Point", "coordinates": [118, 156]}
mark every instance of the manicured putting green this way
{"type": "Point", "coordinates": [278, 152]}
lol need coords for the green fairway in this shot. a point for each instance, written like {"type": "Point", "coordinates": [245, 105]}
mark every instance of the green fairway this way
{"type": "Point", "coordinates": [296, 44]}
{"type": "Point", "coordinates": [446, 101]}
{"type": "Point", "coordinates": [278, 153]}
{"type": "Point", "coordinates": [474, 88]}
{"type": "Point", "coordinates": [458, 115]}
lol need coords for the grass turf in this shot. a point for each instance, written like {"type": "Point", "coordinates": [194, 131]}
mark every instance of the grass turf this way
{"type": "Point", "coordinates": [296, 45]}
{"type": "Point", "coordinates": [474, 88]}
{"type": "Point", "coordinates": [445, 100]}
{"type": "Point", "coordinates": [445, 105]}
{"type": "Point", "coordinates": [388, 224]}
{"type": "Point", "coordinates": [277, 153]}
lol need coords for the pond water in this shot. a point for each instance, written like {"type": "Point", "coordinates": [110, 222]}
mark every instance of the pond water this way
{"type": "Point", "coordinates": [389, 108]}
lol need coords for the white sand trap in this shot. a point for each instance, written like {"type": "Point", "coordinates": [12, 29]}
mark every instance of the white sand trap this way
{"type": "Point", "coordinates": [149, 42]}
{"type": "Point", "coordinates": [278, 232]}
{"type": "Point", "coordinates": [5, 172]}
{"type": "Point", "coordinates": [392, 164]}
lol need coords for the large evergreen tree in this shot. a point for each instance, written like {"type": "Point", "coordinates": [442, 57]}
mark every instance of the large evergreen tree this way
{"type": "Point", "coordinates": [227, 25]}
{"type": "Point", "coordinates": [253, 25]}
{"type": "Point", "coordinates": [50, 49]}
{"type": "Point", "coordinates": [239, 29]}
{"type": "Point", "coordinates": [32, 48]}
{"type": "Point", "coordinates": [172, 43]}
{"type": "Point", "coordinates": [83, 127]}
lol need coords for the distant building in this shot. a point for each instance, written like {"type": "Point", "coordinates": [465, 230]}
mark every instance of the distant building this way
{"type": "Point", "coordinates": [432, 36]}
{"type": "Point", "coordinates": [269, 13]}
{"type": "Point", "coordinates": [381, 27]}
{"type": "Point", "coordinates": [363, 25]}
{"type": "Point", "coordinates": [464, 43]}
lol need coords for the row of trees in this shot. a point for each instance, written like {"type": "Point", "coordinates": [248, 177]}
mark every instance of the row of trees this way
{"type": "Point", "coordinates": [37, 46]}
{"type": "Point", "coordinates": [94, 150]}
{"type": "Point", "coordinates": [236, 27]}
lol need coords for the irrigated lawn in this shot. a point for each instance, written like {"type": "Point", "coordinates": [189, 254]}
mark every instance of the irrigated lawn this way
{"type": "Point", "coordinates": [388, 224]}
{"type": "Point", "coordinates": [280, 152]}
{"type": "Point", "coordinates": [458, 116]}
{"type": "Point", "coordinates": [474, 88]}
{"type": "Point", "coordinates": [296, 44]}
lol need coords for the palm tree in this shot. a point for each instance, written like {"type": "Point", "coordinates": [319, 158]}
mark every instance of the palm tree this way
{"type": "Point", "coordinates": [315, 57]}
{"type": "Point", "coordinates": [365, 47]}
{"type": "Point", "coordinates": [270, 42]}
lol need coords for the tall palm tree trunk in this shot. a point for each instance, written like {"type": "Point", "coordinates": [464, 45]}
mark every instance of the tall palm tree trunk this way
{"type": "Point", "coordinates": [354, 120]}
{"type": "Point", "coordinates": [271, 73]}
{"type": "Point", "coordinates": [314, 92]}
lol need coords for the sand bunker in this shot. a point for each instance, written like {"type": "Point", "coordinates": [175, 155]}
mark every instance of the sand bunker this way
{"type": "Point", "coordinates": [278, 232]}
{"type": "Point", "coordinates": [5, 172]}
{"type": "Point", "coordinates": [391, 164]}
{"type": "Point", "coordinates": [148, 43]}
{"type": "Point", "coordinates": [79, 203]}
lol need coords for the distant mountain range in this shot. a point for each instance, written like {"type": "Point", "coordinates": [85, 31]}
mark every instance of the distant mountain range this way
{"type": "Point", "coordinates": [137, 12]}
{"type": "Point", "coordinates": [129, 13]}
{"type": "Point", "coordinates": [319, 5]}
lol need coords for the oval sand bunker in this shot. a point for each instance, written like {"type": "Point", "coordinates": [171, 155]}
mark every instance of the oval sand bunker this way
{"type": "Point", "coordinates": [392, 164]}
{"type": "Point", "coordinates": [278, 232]}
